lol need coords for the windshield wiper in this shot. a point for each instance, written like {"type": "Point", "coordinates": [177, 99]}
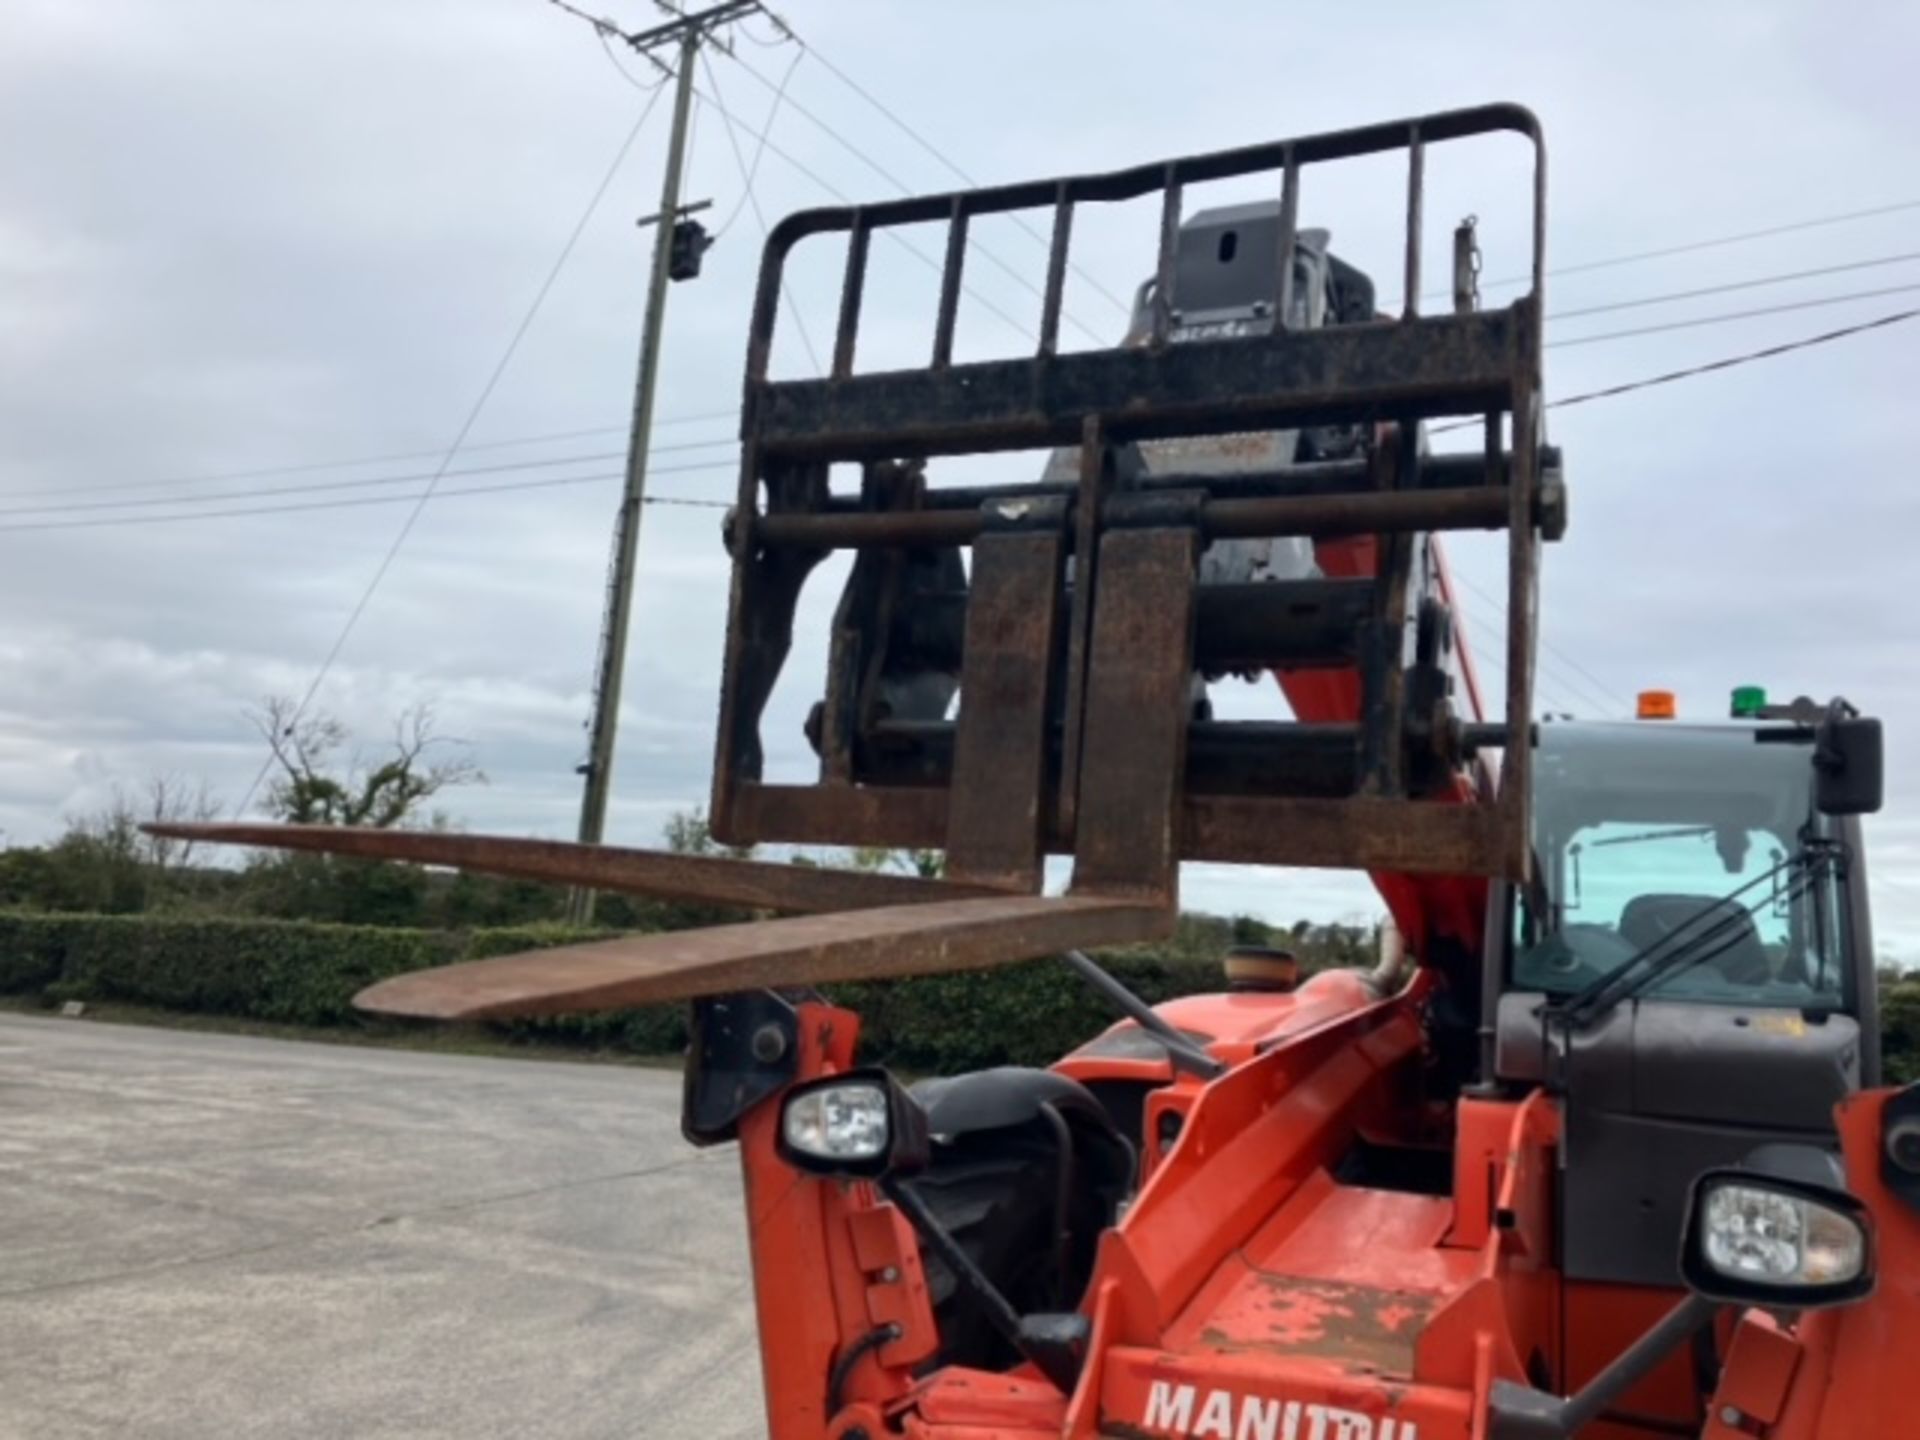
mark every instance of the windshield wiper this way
{"type": "Point", "coordinates": [1712, 931]}
{"type": "Point", "coordinates": [1686, 832]}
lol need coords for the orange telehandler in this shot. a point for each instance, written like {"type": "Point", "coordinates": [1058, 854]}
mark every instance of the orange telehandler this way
{"type": "Point", "coordinates": [1596, 1150]}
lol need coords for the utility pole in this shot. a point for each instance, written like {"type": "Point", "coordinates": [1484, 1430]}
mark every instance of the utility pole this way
{"type": "Point", "coordinates": [688, 32]}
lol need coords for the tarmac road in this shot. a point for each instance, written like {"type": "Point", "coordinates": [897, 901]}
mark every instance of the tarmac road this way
{"type": "Point", "coordinates": [209, 1236]}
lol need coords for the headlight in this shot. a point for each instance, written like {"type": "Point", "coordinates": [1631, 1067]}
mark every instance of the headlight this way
{"type": "Point", "coordinates": [1762, 1239]}
{"type": "Point", "coordinates": [838, 1122]}
{"type": "Point", "coordinates": [858, 1124]}
{"type": "Point", "coordinates": [1775, 1239]}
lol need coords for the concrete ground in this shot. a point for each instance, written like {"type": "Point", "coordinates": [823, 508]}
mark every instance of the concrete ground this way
{"type": "Point", "coordinates": [211, 1236]}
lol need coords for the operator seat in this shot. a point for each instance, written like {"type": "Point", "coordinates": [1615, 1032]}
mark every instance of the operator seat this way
{"type": "Point", "coordinates": [1739, 956]}
{"type": "Point", "coordinates": [1026, 1171]}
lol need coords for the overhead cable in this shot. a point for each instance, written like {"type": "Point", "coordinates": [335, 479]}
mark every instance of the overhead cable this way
{"type": "Point", "coordinates": [747, 197]}
{"type": "Point", "coordinates": [1732, 315]}
{"type": "Point", "coordinates": [1122, 305]}
{"type": "Point", "coordinates": [419, 500]}
{"type": "Point", "coordinates": [459, 439]}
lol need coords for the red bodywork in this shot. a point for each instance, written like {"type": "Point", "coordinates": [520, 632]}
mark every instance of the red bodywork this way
{"type": "Point", "coordinates": [1249, 1294]}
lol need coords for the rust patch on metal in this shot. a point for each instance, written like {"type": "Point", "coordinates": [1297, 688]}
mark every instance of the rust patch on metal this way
{"type": "Point", "coordinates": [1367, 832]}
{"type": "Point", "coordinates": [1358, 1326]}
{"type": "Point", "coordinates": [1139, 680]}
{"type": "Point", "coordinates": [994, 820]}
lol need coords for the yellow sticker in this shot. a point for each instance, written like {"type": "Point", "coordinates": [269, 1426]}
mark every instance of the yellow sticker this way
{"type": "Point", "coordinates": [1780, 1025]}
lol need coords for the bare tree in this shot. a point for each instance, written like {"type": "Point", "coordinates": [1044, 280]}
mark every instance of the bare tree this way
{"type": "Point", "coordinates": [105, 862]}
{"type": "Point", "coordinates": [324, 780]}
{"type": "Point", "coordinates": [171, 800]}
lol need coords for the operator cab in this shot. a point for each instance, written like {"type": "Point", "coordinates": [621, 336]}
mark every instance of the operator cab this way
{"type": "Point", "coordinates": [1691, 967]}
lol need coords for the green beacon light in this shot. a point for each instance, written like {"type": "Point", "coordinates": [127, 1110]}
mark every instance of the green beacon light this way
{"type": "Point", "coordinates": [1748, 702]}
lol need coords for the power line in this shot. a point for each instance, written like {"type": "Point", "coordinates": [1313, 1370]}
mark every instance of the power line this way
{"type": "Point", "coordinates": [781, 34]}
{"type": "Point", "coordinates": [369, 482]}
{"type": "Point", "coordinates": [752, 167]}
{"type": "Point", "coordinates": [1493, 657]}
{"type": "Point", "coordinates": [1591, 395]}
{"type": "Point", "coordinates": [1733, 315]}
{"type": "Point", "coordinates": [973, 243]}
{"type": "Point", "coordinates": [603, 30]}
{"type": "Point", "coordinates": [310, 467]}
{"type": "Point", "coordinates": [1122, 305]}
{"type": "Point", "coordinates": [598, 22]}
{"type": "Point", "coordinates": [1580, 268]}
{"type": "Point", "coordinates": [1650, 381]}
{"type": "Point", "coordinates": [422, 498]}
{"type": "Point", "coordinates": [600, 34]}
{"type": "Point", "coordinates": [1594, 690]}
{"type": "Point", "coordinates": [1543, 679]}
{"type": "Point", "coordinates": [1728, 362]}
{"type": "Point", "coordinates": [749, 172]}
{"type": "Point", "coordinates": [1624, 388]}
{"type": "Point", "coordinates": [1818, 222]}
{"type": "Point", "coordinates": [889, 231]}
{"type": "Point", "coordinates": [307, 488]}
{"type": "Point", "coordinates": [466, 427]}
{"type": "Point", "coordinates": [315, 487]}
{"type": "Point", "coordinates": [747, 197]}
{"type": "Point", "coordinates": [1755, 283]}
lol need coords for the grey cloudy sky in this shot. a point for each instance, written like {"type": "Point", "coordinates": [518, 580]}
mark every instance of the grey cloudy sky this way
{"type": "Point", "coordinates": [235, 237]}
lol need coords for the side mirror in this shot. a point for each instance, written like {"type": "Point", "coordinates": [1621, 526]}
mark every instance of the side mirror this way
{"type": "Point", "coordinates": [860, 1125]}
{"type": "Point", "coordinates": [1760, 1236]}
{"type": "Point", "coordinates": [1900, 1145]}
{"type": "Point", "coordinates": [1847, 768]}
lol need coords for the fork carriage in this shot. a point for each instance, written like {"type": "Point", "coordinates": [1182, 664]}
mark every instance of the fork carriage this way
{"type": "Point", "coordinates": [1096, 599]}
{"type": "Point", "coordinates": [1072, 640]}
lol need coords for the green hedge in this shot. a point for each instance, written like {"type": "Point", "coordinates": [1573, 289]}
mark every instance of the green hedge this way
{"type": "Point", "coordinates": [32, 951]}
{"type": "Point", "coordinates": [287, 971]}
{"type": "Point", "coordinates": [1027, 1014]}
{"type": "Point", "coordinates": [1900, 1027]}
{"type": "Point", "coordinates": [302, 973]}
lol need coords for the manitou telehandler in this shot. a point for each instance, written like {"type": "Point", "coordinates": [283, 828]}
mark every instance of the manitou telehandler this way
{"type": "Point", "coordinates": [1595, 1151]}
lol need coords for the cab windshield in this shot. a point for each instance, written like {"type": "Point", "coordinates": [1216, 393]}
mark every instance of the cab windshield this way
{"type": "Point", "coordinates": [1640, 828]}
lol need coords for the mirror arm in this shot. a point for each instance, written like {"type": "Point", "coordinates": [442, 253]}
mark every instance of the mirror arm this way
{"type": "Point", "coordinates": [1520, 1412]}
{"type": "Point", "coordinates": [1827, 755]}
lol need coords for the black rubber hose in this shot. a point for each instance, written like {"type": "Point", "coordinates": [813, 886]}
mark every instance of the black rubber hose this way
{"type": "Point", "coordinates": [850, 1357]}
